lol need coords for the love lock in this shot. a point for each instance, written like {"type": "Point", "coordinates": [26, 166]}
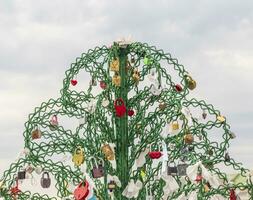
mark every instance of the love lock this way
{"type": "Point", "coordinates": [98, 168]}
{"type": "Point", "coordinates": [82, 191]}
{"type": "Point", "coordinates": [36, 134]}
{"type": "Point", "coordinates": [116, 79]}
{"type": "Point", "coordinates": [114, 65]}
{"type": "Point", "coordinates": [155, 90]}
{"type": "Point", "coordinates": [172, 170]}
{"type": "Point", "coordinates": [181, 168]}
{"type": "Point", "coordinates": [155, 154]}
{"type": "Point", "coordinates": [45, 181]}
{"type": "Point", "coordinates": [78, 156]}
{"type": "Point", "coordinates": [53, 123]}
{"type": "Point", "coordinates": [120, 107]}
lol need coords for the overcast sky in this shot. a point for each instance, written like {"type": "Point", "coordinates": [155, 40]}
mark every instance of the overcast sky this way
{"type": "Point", "coordinates": [39, 40]}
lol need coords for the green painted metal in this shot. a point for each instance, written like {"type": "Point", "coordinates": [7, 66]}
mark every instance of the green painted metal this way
{"type": "Point", "coordinates": [102, 126]}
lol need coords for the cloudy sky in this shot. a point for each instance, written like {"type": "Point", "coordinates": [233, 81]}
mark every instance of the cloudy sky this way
{"type": "Point", "coordinates": [39, 40]}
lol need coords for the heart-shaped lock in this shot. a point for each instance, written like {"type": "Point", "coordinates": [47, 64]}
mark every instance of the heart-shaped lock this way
{"type": "Point", "coordinates": [82, 190]}
{"type": "Point", "coordinates": [105, 102]}
{"type": "Point", "coordinates": [73, 82]}
{"type": "Point", "coordinates": [102, 85]}
{"type": "Point", "coordinates": [155, 154]}
{"type": "Point", "coordinates": [120, 107]}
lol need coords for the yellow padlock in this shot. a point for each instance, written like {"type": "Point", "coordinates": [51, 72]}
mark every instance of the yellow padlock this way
{"type": "Point", "coordinates": [78, 156]}
{"type": "Point", "coordinates": [116, 80]}
{"type": "Point", "coordinates": [114, 65]}
{"type": "Point", "coordinates": [136, 76]}
{"type": "Point", "coordinates": [175, 125]}
{"type": "Point", "coordinates": [108, 152]}
{"type": "Point", "coordinates": [191, 84]}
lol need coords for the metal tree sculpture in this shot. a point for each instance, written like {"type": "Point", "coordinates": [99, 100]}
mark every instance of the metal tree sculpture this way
{"type": "Point", "coordinates": [140, 137]}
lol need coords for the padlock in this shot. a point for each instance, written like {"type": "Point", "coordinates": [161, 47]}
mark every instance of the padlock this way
{"type": "Point", "coordinates": [98, 168]}
{"type": "Point", "coordinates": [120, 107]}
{"type": "Point", "coordinates": [132, 59]}
{"type": "Point", "coordinates": [227, 157]}
{"type": "Point", "coordinates": [204, 114]}
{"type": "Point", "coordinates": [146, 61]}
{"type": "Point", "coordinates": [175, 125]}
{"type": "Point", "coordinates": [53, 123]}
{"type": "Point", "coordinates": [162, 106]}
{"type": "Point", "coordinates": [105, 102]}
{"type": "Point", "coordinates": [116, 79]}
{"type": "Point", "coordinates": [78, 156]}
{"type": "Point", "coordinates": [188, 138]}
{"type": "Point", "coordinates": [36, 134]}
{"type": "Point", "coordinates": [103, 85]}
{"type": "Point", "coordinates": [136, 76]}
{"type": "Point", "coordinates": [15, 190]}
{"type": "Point", "coordinates": [29, 169]}
{"type": "Point", "coordinates": [181, 168]}
{"type": "Point", "coordinates": [191, 84]}
{"type": "Point", "coordinates": [111, 186]}
{"type": "Point", "coordinates": [73, 82]}
{"type": "Point", "coordinates": [45, 181]}
{"type": "Point", "coordinates": [21, 175]}
{"type": "Point", "coordinates": [178, 88]}
{"type": "Point", "coordinates": [108, 152]}
{"type": "Point", "coordinates": [82, 190]}
{"type": "Point", "coordinates": [232, 135]}
{"type": "Point", "coordinates": [130, 112]}
{"type": "Point", "coordinates": [155, 90]}
{"type": "Point", "coordinates": [232, 195]}
{"type": "Point", "coordinates": [93, 82]}
{"type": "Point", "coordinates": [221, 118]}
{"type": "Point", "coordinates": [114, 65]}
{"type": "Point", "coordinates": [207, 187]}
{"type": "Point", "coordinates": [155, 154]}
{"type": "Point", "coordinates": [198, 177]}
{"type": "Point", "coordinates": [172, 170]}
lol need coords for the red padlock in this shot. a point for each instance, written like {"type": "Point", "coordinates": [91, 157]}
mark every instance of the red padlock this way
{"type": "Point", "coordinates": [178, 88]}
{"type": "Point", "coordinates": [15, 190]}
{"type": "Point", "coordinates": [130, 112]}
{"type": "Point", "coordinates": [120, 107]}
{"type": "Point", "coordinates": [82, 191]}
{"type": "Point", "coordinates": [199, 178]}
{"type": "Point", "coordinates": [155, 154]}
{"type": "Point", "coordinates": [232, 195]}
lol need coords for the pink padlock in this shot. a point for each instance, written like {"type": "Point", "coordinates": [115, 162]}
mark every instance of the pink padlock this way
{"type": "Point", "coordinates": [54, 123]}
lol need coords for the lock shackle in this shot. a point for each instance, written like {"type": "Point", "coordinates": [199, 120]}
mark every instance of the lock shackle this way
{"type": "Point", "coordinates": [159, 146]}
{"type": "Point", "coordinates": [45, 173]}
{"type": "Point", "coordinates": [78, 150]}
{"type": "Point", "coordinates": [119, 100]}
{"type": "Point", "coordinates": [96, 161]}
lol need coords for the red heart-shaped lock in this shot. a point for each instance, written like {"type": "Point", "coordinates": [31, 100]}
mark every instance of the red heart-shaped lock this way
{"type": "Point", "coordinates": [130, 112]}
{"type": "Point", "coordinates": [120, 107]}
{"type": "Point", "coordinates": [73, 82]}
{"type": "Point", "coordinates": [178, 88]}
{"type": "Point", "coordinates": [82, 191]}
{"type": "Point", "coordinates": [155, 154]}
